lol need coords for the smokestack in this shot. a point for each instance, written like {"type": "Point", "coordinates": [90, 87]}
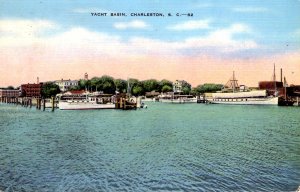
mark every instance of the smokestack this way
{"type": "Point", "coordinates": [281, 75]}
{"type": "Point", "coordinates": [37, 80]}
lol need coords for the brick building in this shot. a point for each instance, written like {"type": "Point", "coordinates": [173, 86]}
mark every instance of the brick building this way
{"type": "Point", "coordinates": [31, 90]}
{"type": "Point", "coordinates": [270, 86]}
{"type": "Point", "coordinates": [9, 93]}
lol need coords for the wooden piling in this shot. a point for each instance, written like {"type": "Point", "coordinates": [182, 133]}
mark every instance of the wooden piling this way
{"type": "Point", "coordinates": [52, 104]}
{"type": "Point", "coordinates": [44, 104]}
{"type": "Point", "coordinates": [40, 103]}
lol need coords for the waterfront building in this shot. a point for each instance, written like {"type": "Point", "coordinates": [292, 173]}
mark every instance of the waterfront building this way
{"type": "Point", "coordinates": [9, 93]}
{"type": "Point", "coordinates": [272, 87]}
{"type": "Point", "coordinates": [65, 85]}
{"type": "Point", "coordinates": [31, 90]}
{"type": "Point", "coordinates": [177, 86]}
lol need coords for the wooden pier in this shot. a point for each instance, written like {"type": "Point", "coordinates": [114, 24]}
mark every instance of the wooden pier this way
{"type": "Point", "coordinates": [40, 103]}
{"type": "Point", "coordinates": [124, 102]}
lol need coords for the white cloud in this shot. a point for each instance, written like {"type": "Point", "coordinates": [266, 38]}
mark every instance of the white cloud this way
{"type": "Point", "coordinates": [78, 41]}
{"type": "Point", "coordinates": [221, 40]}
{"type": "Point", "coordinates": [137, 24]}
{"type": "Point", "coordinates": [249, 9]}
{"type": "Point", "coordinates": [191, 25]}
{"type": "Point", "coordinates": [25, 27]}
{"type": "Point", "coordinates": [23, 32]}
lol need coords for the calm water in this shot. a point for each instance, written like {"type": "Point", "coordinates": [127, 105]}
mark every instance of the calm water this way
{"type": "Point", "coordinates": [192, 147]}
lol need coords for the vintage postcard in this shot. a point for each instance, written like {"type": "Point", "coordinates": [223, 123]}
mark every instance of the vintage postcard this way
{"type": "Point", "coordinates": [149, 95]}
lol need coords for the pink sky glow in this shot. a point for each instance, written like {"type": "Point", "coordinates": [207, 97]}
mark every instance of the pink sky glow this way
{"type": "Point", "coordinates": [24, 65]}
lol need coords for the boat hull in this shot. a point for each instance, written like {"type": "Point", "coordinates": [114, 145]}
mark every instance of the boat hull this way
{"type": "Point", "coordinates": [178, 101]}
{"type": "Point", "coordinates": [246, 101]}
{"type": "Point", "coordinates": [84, 106]}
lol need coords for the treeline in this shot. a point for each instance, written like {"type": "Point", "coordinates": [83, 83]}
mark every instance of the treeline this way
{"type": "Point", "coordinates": [109, 85]}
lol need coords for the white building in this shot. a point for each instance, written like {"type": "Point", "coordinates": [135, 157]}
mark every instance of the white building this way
{"type": "Point", "coordinates": [177, 86]}
{"type": "Point", "coordinates": [65, 85]}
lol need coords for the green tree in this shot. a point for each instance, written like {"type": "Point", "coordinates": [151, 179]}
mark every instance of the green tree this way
{"type": "Point", "coordinates": [96, 84]}
{"type": "Point", "coordinates": [164, 82]}
{"type": "Point", "coordinates": [208, 88]}
{"type": "Point", "coordinates": [84, 84]}
{"type": "Point", "coordinates": [150, 85]}
{"type": "Point", "coordinates": [104, 83]}
{"type": "Point", "coordinates": [121, 85]}
{"type": "Point", "coordinates": [166, 88]}
{"type": "Point", "coordinates": [10, 87]}
{"type": "Point", "coordinates": [138, 90]}
{"type": "Point", "coordinates": [194, 91]}
{"type": "Point", "coordinates": [107, 84]}
{"type": "Point", "coordinates": [132, 83]}
{"type": "Point", "coordinates": [186, 87]}
{"type": "Point", "coordinates": [186, 90]}
{"type": "Point", "coordinates": [50, 89]}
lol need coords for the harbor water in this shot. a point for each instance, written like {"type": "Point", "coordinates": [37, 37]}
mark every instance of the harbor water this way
{"type": "Point", "coordinates": [166, 147]}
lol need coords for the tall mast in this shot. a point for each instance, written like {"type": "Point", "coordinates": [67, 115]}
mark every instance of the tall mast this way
{"type": "Point", "coordinates": [234, 83]}
{"type": "Point", "coordinates": [128, 87]}
{"type": "Point", "coordinates": [285, 85]}
{"type": "Point", "coordinates": [274, 80]}
{"type": "Point", "coordinates": [233, 79]}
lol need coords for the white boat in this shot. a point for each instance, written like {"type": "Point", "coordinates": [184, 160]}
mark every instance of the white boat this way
{"type": "Point", "coordinates": [259, 97]}
{"type": "Point", "coordinates": [240, 96]}
{"type": "Point", "coordinates": [85, 104]}
{"type": "Point", "coordinates": [180, 99]}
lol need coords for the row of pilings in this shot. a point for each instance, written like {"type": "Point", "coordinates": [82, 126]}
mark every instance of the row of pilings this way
{"type": "Point", "coordinates": [39, 103]}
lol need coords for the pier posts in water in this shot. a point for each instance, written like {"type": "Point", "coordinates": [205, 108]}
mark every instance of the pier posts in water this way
{"type": "Point", "coordinates": [28, 102]}
{"type": "Point", "coordinates": [52, 103]}
{"type": "Point", "coordinates": [38, 103]}
{"type": "Point", "coordinates": [44, 104]}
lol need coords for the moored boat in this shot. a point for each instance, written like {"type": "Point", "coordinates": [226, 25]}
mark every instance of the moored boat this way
{"type": "Point", "coordinates": [259, 97]}
{"type": "Point", "coordinates": [89, 102]}
{"type": "Point", "coordinates": [239, 95]}
{"type": "Point", "coordinates": [180, 99]}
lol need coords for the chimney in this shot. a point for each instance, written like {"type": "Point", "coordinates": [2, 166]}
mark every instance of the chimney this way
{"type": "Point", "coordinates": [37, 80]}
{"type": "Point", "coordinates": [281, 75]}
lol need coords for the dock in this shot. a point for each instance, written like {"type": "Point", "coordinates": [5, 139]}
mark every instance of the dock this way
{"type": "Point", "coordinates": [39, 103]}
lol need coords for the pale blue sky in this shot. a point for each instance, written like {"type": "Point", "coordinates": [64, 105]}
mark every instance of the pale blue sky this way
{"type": "Point", "coordinates": [60, 38]}
{"type": "Point", "coordinates": [274, 25]}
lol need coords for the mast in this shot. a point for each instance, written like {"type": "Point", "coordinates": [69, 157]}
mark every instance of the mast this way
{"type": "Point", "coordinates": [232, 83]}
{"type": "Point", "coordinates": [128, 87]}
{"type": "Point", "coordinates": [233, 79]}
{"type": "Point", "coordinates": [285, 85]}
{"type": "Point", "coordinates": [274, 80]}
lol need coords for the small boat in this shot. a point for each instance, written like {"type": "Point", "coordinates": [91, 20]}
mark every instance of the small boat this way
{"type": "Point", "coordinates": [85, 104]}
